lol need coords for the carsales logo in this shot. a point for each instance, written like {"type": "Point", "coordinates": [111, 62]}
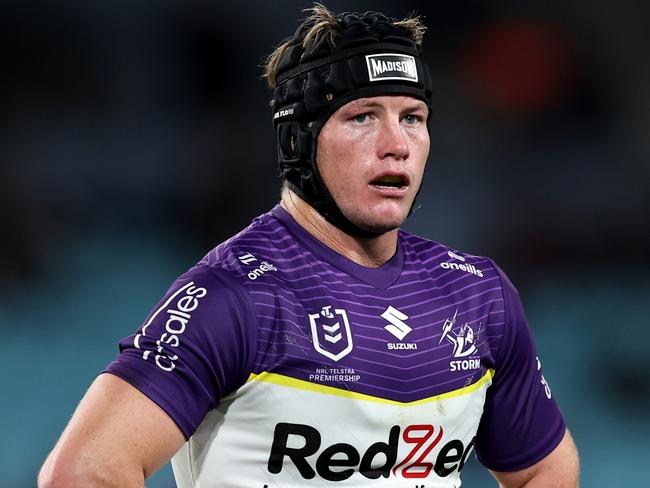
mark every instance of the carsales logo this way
{"type": "Point", "coordinates": [340, 461]}
{"type": "Point", "coordinates": [177, 313]}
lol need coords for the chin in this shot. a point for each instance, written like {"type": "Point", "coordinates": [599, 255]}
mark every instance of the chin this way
{"type": "Point", "coordinates": [380, 224]}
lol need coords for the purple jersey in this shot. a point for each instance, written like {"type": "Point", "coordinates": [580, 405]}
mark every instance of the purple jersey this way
{"type": "Point", "coordinates": [287, 365]}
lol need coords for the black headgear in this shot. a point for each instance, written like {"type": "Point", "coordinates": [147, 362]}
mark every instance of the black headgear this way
{"type": "Point", "coordinates": [370, 56]}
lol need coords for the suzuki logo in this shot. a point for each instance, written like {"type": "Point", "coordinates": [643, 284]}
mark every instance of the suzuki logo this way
{"type": "Point", "coordinates": [397, 326]}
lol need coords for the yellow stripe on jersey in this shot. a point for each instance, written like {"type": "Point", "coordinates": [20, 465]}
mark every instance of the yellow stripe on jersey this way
{"type": "Point", "coordinates": [279, 379]}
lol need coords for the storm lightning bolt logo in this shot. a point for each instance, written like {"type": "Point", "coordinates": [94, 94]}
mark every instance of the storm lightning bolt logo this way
{"type": "Point", "coordinates": [462, 341]}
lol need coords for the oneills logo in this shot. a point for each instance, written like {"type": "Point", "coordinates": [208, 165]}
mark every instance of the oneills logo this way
{"type": "Point", "coordinates": [467, 268]}
{"type": "Point", "coordinates": [391, 66]}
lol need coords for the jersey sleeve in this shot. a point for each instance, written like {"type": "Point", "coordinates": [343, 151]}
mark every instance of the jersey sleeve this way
{"type": "Point", "coordinates": [521, 422]}
{"type": "Point", "coordinates": [195, 347]}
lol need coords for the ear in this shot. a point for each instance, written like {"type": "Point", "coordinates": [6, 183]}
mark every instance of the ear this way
{"type": "Point", "coordinates": [294, 144]}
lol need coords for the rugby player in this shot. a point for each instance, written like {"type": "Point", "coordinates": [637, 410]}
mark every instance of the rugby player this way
{"type": "Point", "coordinates": [322, 345]}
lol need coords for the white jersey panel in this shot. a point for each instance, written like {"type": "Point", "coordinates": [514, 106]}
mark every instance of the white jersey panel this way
{"type": "Point", "coordinates": [299, 442]}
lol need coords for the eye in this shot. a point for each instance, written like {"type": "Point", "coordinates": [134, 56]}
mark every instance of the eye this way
{"type": "Point", "coordinates": [361, 118]}
{"type": "Point", "coordinates": [412, 119]}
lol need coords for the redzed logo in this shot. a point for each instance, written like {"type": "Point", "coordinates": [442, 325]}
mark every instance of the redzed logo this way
{"type": "Point", "coordinates": [419, 468]}
{"type": "Point", "coordinates": [420, 439]}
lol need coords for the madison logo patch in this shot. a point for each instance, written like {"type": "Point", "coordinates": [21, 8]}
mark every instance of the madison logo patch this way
{"type": "Point", "coordinates": [331, 333]}
{"type": "Point", "coordinates": [391, 66]}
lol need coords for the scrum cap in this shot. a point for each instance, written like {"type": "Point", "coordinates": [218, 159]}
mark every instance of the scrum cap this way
{"type": "Point", "coordinates": [367, 56]}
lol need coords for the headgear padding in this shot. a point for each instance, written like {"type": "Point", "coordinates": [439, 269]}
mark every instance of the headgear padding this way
{"type": "Point", "coordinates": [370, 56]}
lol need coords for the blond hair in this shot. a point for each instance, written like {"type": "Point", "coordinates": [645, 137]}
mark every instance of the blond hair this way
{"type": "Point", "coordinates": [325, 28]}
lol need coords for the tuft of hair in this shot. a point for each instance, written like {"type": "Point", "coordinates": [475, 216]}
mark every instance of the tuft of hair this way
{"type": "Point", "coordinates": [323, 26]}
{"type": "Point", "coordinates": [414, 26]}
{"type": "Point", "coordinates": [273, 61]}
{"type": "Point", "coordinates": [326, 28]}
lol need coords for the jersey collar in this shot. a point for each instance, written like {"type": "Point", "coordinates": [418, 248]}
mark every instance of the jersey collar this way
{"type": "Point", "coordinates": [381, 277]}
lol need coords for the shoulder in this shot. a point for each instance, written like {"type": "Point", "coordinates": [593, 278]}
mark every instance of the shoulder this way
{"type": "Point", "coordinates": [251, 252]}
{"type": "Point", "coordinates": [220, 277]}
{"type": "Point", "coordinates": [437, 255]}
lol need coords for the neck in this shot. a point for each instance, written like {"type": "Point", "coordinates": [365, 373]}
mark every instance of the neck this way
{"type": "Point", "coordinates": [371, 252]}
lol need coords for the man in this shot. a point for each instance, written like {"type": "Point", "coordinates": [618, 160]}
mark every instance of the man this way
{"type": "Point", "coordinates": [309, 349]}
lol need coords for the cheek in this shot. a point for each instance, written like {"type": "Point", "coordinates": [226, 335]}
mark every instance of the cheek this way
{"type": "Point", "coordinates": [420, 151]}
{"type": "Point", "coordinates": [420, 140]}
{"type": "Point", "coordinates": [327, 157]}
{"type": "Point", "coordinates": [340, 156]}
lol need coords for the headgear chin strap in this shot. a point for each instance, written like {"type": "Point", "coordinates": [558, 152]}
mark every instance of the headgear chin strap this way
{"type": "Point", "coordinates": [370, 57]}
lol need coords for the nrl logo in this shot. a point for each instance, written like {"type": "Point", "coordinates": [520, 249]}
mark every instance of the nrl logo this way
{"type": "Point", "coordinates": [330, 331]}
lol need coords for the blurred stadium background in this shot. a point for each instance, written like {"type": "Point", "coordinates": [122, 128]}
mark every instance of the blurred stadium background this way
{"type": "Point", "coordinates": [135, 136]}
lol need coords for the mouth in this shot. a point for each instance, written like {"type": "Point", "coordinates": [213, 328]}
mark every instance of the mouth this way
{"type": "Point", "coordinates": [391, 182]}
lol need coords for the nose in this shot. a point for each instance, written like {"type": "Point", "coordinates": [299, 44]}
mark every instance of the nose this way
{"type": "Point", "coordinates": [392, 140]}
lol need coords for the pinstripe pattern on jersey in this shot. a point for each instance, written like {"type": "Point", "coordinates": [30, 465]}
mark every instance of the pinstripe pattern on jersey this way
{"type": "Point", "coordinates": [310, 276]}
{"type": "Point", "coordinates": [328, 390]}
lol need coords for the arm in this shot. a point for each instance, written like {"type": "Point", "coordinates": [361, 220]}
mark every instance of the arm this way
{"type": "Point", "coordinates": [559, 469]}
{"type": "Point", "coordinates": [522, 432]}
{"type": "Point", "coordinates": [117, 437]}
{"type": "Point", "coordinates": [196, 346]}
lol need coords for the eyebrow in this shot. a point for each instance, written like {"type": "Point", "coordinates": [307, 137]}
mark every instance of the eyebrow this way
{"type": "Point", "coordinates": [417, 105]}
{"type": "Point", "coordinates": [368, 104]}
{"type": "Point", "coordinates": [420, 105]}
